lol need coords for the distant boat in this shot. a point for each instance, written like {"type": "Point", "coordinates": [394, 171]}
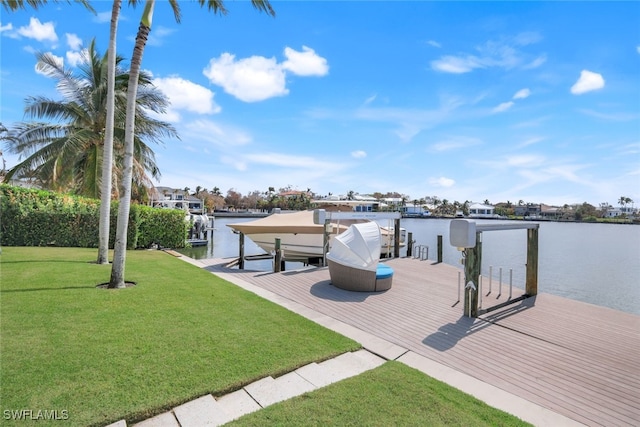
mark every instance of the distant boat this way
{"type": "Point", "coordinates": [300, 238]}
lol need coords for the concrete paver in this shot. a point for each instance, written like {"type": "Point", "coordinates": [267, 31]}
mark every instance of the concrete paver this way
{"type": "Point", "coordinates": [203, 411]}
{"type": "Point", "coordinates": [238, 403]}
{"type": "Point", "coordinates": [166, 419]}
{"type": "Point", "coordinates": [268, 391]}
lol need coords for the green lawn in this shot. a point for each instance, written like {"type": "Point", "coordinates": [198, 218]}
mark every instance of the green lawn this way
{"type": "Point", "coordinates": [96, 356]}
{"type": "Point", "coordinates": [103, 355]}
{"type": "Point", "coordinates": [391, 395]}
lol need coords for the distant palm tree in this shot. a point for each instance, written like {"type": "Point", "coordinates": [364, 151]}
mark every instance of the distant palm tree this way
{"type": "Point", "coordinates": [217, 6]}
{"type": "Point", "coordinates": [64, 148]}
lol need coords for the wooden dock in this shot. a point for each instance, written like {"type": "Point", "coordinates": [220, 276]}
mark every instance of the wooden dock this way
{"type": "Point", "coordinates": [574, 358]}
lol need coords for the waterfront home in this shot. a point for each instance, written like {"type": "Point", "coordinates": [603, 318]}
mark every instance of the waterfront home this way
{"type": "Point", "coordinates": [166, 197]}
{"type": "Point", "coordinates": [627, 211]}
{"type": "Point", "coordinates": [415, 210]}
{"type": "Point", "coordinates": [480, 210]}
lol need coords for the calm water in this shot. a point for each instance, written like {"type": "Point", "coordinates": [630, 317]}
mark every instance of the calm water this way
{"type": "Point", "coordinates": [594, 263]}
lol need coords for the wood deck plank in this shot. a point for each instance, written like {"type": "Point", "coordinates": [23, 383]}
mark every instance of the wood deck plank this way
{"type": "Point", "coordinates": [577, 359]}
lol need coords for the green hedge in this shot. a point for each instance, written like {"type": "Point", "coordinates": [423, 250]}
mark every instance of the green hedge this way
{"type": "Point", "coordinates": [31, 217]}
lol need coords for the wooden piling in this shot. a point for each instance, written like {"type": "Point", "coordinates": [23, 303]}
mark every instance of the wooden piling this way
{"type": "Point", "coordinates": [277, 264]}
{"type": "Point", "coordinates": [396, 239]}
{"type": "Point", "coordinates": [531, 284]}
{"type": "Point", "coordinates": [439, 248]}
{"type": "Point", "coordinates": [241, 252]}
{"type": "Point", "coordinates": [409, 244]}
{"type": "Point", "coordinates": [472, 263]}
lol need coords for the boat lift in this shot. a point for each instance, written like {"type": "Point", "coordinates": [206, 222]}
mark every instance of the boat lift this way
{"type": "Point", "coordinates": [466, 235]}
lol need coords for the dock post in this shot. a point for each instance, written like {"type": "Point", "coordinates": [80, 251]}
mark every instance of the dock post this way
{"type": "Point", "coordinates": [409, 244]}
{"type": "Point", "coordinates": [241, 252]}
{"type": "Point", "coordinates": [439, 248]}
{"type": "Point", "coordinates": [278, 257]}
{"type": "Point", "coordinates": [325, 241]}
{"type": "Point", "coordinates": [531, 285]}
{"type": "Point", "coordinates": [472, 263]}
{"type": "Point", "coordinates": [396, 239]}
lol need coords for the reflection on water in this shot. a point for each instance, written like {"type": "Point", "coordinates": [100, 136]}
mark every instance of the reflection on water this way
{"type": "Point", "coordinates": [595, 263]}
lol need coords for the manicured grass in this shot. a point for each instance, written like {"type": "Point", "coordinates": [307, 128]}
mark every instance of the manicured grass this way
{"type": "Point", "coordinates": [104, 355]}
{"type": "Point", "coordinates": [390, 395]}
{"type": "Point", "coordinates": [99, 355]}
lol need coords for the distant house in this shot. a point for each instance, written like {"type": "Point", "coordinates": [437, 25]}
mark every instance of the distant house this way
{"type": "Point", "coordinates": [623, 210]}
{"type": "Point", "coordinates": [550, 212]}
{"type": "Point", "coordinates": [480, 210]}
{"type": "Point", "coordinates": [530, 209]}
{"type": "Point", "coordinates": [167, 197]}
{"type": "Point", "coordinates": [538, 211]}
{"type": "Point", "coordinates": [415, 210]}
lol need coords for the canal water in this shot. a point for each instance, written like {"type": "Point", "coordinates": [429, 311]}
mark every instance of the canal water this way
{"type": "Point", "coordinates": [593, 263]}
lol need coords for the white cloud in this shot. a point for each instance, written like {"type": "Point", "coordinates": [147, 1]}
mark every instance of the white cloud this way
{"type": "Point", "coordinates": [503, 107]}
{"type": "Point", "coordinates": [186, 95]}
{"type": "Point", "coordinates": [456, 65]}
{"type": "Point", "coordinates": [442, 182]}
{"type": "Point", "coordinates": [39, 31]}
{"type": "Point", "coordinates": [434, 43]}
{"type": "Point", "coordinates": [58, 59]}
{"type": "Point", "coordinates": [536, 62]}
{"type": "Point", "coordinates": [7, 27]}
{"type": "Point", "coordinates": [522, 94]}
{"type": "Point", "coordinates": [358, 154]}
{"type": "Point", "coordinates": [455, 143]}
{"type": "Point", "coordinates": [219, 135]}
{"type": "Point", "coordinates": [587, 82]}
{"type": "Point", "coordinates": [637, 47]}
{"type": "Point", "coordinates": [73, 41]}
{"type": "Point", "coordinates": [258, 78]}
{"type": "Point", "coordinates": [525, 161]}
{"type": "Point", "coordinates": [251, 79]}
{"type": "Point", "coordinates": [499, 54]}
{"type": "Point", "coordinates": [530, 141]}
{"type": "Point", "coordinates": [157, 36]}
{"type": "Point", "coordinates": [305, 63]}
{"type": "Point", "coordinates": [74, 58]}
{"type": "Point", "coordinates": [527, 38]}
{"type": "Point", "coordinates": [102, 17]}
{"type": "Point", "coordinates": [370, 99]}
{"type": "Point", "coordinates": [617, 116]}
{"type": "Point", "coordinates": [306, 163]}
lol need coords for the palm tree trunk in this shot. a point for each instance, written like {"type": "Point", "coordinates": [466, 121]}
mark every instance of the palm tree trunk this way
{"type": "Point", "coordinates": [120, 246]}
{"type": "Point", "coordinates": [107, 156]}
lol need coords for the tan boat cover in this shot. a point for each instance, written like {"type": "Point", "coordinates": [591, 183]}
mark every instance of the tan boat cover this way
{"type": "Point", "coordinates": [294, 222]}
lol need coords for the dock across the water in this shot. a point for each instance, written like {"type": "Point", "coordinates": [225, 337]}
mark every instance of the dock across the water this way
{"type": "Point", "coordinates": [576, 359]}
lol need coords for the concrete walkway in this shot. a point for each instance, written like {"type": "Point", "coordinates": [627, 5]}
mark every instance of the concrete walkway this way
{"type": "Point", "coordinates": [209, 411]}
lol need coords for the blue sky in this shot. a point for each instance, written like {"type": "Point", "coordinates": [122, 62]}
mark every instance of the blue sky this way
{"type": "Point", "coordinates": [533, 101]}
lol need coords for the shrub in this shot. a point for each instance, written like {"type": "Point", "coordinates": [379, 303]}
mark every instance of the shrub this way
{"type": "Point", "coordinates": [31, 217]}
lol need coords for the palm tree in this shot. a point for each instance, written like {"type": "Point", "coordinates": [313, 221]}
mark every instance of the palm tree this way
{"type": "Point", "coordinates": [623, 201]}
{"type": "Point", "coordinates": [117, 269]}
{"type": "Point", "coordinates": [107, 158]}
{"type": "Point", "coordinates": [64, 146]}
{"type": "Point", "coordinates": [11, 5]}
